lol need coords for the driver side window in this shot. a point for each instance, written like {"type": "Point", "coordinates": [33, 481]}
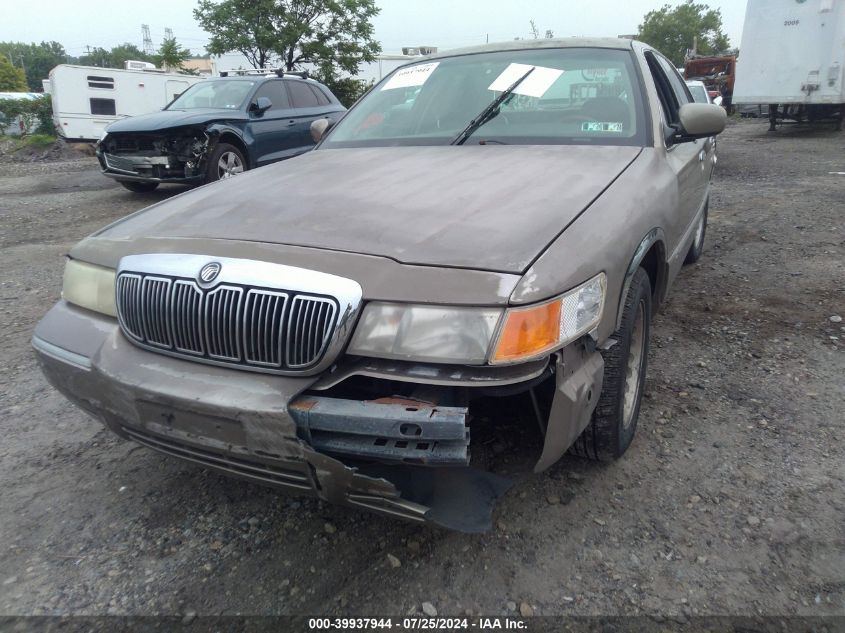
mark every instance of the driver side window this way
{"type": "Point", "coordinates": [679, 86]}
{"type": "Point", "coordinates": [275, 91]}
{"type": "Point", "coordinates": [669, 103]}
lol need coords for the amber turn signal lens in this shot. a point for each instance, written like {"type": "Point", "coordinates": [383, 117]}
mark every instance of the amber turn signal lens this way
{"type": "Point", "coordinates": [528, 332]}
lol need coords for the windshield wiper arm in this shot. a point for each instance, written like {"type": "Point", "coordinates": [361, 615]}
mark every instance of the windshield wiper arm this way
{"type": "Point", "coordinates": [488, 113]}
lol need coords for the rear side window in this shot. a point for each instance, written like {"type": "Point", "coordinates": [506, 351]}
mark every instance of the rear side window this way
{"type": "Point", "coordinates": [301, 95]}
{"type": "Point", "coordinates": [106, 83]}
{"type": "Point", "coordinates": [322, 99]}
{"type": "Point", "coordinates": [699, 94]}
{"type": "Point", "coordinates": [103, 106]}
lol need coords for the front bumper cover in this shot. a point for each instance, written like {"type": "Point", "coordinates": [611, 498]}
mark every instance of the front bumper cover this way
{"type": "Point", "coordinates": [146, 169]}
{"type": "Point", "coordinates": [241, 423]}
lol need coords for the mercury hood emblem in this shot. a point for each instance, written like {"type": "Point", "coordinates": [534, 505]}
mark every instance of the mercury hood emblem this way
{"type": "Point", "coordinates": [209, 272]}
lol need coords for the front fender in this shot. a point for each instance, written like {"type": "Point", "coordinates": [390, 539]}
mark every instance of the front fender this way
{"type": "Point", "coordinates": [216, 131]}
{"type": "Point", "coordinates": [654, 236]}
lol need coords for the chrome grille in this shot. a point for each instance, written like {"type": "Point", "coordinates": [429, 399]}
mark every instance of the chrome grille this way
{"type": "Point", "coordinates": [256, 328]}
{"type": "Point", "coordinates": [311, 321]}
{"type": "Point", "coordinates": [155, 292]}
{"type": "Point", "coordinates": [222, 324]}
{"type": "Point", "coordinates": [187, 318]}
{"type": "Point", "coordinates": [263, 332]}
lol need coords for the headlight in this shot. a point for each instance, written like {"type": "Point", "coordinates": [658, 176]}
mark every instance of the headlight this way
{"type": "Point", "coordinates": [89, 286]}
{"type": "Point", "coordinates": [443, 334]}
{"type": "Point", "coordinates": [437, 334]}
{"type": "Point", "coordinates": [535, 330]}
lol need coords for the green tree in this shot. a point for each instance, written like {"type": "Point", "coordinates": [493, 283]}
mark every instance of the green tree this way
{"type": "Point", "coordinates": [116, 57]}
{"type": "Point", "coordinates": [333, 35]}
{"type": "Point", "coordinates": [37, 59]}
{"type": "Point", "coordinates": [171, 56]}
{"type": "Point", "coordinates": [675, 30]}
{"type": "Point", "coordinates": [12, 79]}
{"type": "Point", "coordinates": [347, 89]}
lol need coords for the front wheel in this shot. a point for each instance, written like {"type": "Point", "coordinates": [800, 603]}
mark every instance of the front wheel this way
{"type": "Point", "coordinates": [226, 161]}
{"type": "Point", "coordinates": [139, 187]}
{"type": "Point", "coordinates": [614, 422]}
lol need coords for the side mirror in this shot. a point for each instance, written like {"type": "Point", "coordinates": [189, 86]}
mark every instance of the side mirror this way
{"type": "Point", "coordinates": [698, 120]}
{"type": "Point", "coordinates": [260, 105]}
{"type": "Point", "coordinates": [319, 127]}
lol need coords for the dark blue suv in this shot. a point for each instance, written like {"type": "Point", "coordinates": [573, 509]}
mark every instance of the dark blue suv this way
{"type": "Point", "coordinates": [217, 129]}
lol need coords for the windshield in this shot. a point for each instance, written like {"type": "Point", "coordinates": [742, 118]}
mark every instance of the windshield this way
{"type": "Point", "coordinates": [699, 93]}
{"type": "Point", "coordinates": [219, 93]}
{"type": "Point", "coordinates": [573, 96]}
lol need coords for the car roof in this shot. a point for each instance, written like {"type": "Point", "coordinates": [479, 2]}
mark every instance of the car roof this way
{"type": "Point", "coordinates": [619, 43]}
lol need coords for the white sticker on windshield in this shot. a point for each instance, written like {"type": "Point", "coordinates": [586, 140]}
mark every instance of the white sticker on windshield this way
{"type": "Point", "coordinates": [534, 85]}
{"type": "Point", "coordinates": [410, 77]}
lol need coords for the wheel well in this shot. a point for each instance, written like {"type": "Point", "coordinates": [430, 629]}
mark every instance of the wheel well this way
{"type": "Point", "coordinates": [234, 139]}
{"type": "Point", "coordinates": [654, 264]}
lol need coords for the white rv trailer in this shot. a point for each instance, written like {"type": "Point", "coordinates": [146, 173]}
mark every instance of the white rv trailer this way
{"type": "Point", "coordinates": [792, 57]}
{"type": "Point", "coordinates": [86, 99]}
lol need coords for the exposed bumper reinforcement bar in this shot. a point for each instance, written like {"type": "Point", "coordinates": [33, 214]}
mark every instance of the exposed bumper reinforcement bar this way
{"type": "Point", "coordinates": [387, 431]}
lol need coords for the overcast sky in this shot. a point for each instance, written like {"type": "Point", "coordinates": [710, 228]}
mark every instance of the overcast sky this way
{"type": "Point", "coordinates": [442, 23]}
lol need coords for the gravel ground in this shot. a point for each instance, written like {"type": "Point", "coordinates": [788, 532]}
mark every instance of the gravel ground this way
{"type": "Point", "coordinates": [730, 501]}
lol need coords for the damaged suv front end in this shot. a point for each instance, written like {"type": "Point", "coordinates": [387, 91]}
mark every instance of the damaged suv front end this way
{"type": "Point", "coordinates": [172, 156]}
{"type": "Point", "coordinates": [216, 129]}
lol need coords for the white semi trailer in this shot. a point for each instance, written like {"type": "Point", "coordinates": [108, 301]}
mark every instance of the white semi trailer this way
{"type": "Point", "coordinates": [792, 57]}
{"type": "Point", "coordinates": [86, 99]}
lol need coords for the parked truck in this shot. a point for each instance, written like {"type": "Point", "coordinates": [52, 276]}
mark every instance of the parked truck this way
{"type": "Point", "coordinates": [717, 73]}
{"type": "Point", "coordinates": [86, 99]}
{"type": "Point", "coordinates": [792, 59]}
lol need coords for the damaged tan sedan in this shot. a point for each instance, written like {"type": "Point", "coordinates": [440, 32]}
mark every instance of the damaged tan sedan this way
{"type": "Point", "coordinates": [497, 222]}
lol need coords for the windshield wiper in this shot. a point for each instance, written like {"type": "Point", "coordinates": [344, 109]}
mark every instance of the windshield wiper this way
{"type": "Point", "coordinates": [488, 113]}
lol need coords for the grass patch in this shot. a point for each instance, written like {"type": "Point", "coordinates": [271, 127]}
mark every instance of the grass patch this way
{"type": "Point", "coordinates": [37, 140]}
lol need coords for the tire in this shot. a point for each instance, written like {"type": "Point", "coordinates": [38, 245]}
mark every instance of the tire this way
{"type": "Point", "coordinates": [225, 161]}
{"type": "Point", "coordinates": [614, 421]}
{"type": "Point", "coordinates": [697, 246]}
{"type": "Point", "coordinates": [139, 187]}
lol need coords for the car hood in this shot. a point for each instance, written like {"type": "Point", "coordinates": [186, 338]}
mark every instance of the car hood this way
{"type": "Point", "coordinates": [166, 119]}
{"type": "Point", "coordinates": [485, 207]}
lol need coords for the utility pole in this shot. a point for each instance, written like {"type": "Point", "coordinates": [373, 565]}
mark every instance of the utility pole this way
{"type": "Point", "coordinates": [168, 33]}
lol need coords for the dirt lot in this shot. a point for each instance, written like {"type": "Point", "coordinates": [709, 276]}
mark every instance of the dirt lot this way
{"type": "Point", "coordinates": [730, 501]}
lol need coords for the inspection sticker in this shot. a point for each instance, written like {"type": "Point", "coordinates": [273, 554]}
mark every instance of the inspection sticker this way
{"type": "Point", "coordinates": [410, 77]}
{"type": "Point", "coordinates": [534, 85]}
{"type": "Point", "coordinates": [601, 126]}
